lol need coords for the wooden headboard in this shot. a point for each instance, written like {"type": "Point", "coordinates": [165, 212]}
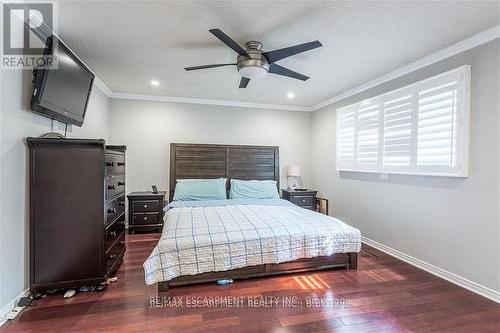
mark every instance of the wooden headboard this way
{"type": "Point", "coordinates": [228, 161]}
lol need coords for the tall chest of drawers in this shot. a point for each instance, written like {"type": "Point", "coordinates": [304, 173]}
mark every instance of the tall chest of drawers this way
{"type": "Point", "coordinates": [76, 212]}
{"type": "Point", "coordinates": [115, 208]}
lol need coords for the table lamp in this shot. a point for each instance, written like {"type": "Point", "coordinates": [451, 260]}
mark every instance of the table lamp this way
{"type": "Point", "coordinates": [293, 177]}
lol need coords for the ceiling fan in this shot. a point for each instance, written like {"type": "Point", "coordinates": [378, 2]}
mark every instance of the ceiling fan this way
{"type": "Point", "coordinates": [253, 62]}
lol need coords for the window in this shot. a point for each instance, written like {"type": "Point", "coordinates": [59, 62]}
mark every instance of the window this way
{"type": "Point", "coordinates": [420, 129]}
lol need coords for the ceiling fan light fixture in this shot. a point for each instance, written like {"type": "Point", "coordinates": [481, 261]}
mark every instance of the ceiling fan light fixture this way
{"type": "Point", "coordinates": [253, 62]}
{"type": "Point", "coordinates": [253, 72]}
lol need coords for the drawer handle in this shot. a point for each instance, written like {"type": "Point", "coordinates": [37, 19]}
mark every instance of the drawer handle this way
{"type": "Point", "coordinates": [120, 163]}
{"type": "Point", "coordinates": [111, 210]}
{"type": "Point", "coordinates": [145, 218]}
{"type": "Point", "coordinates": [111, 187]}
{"type": "Point", "coordinates": [122, 203]}
{"type": "Point", "coordinates": [112, 233]}
{"type": "Point", "coordinates": [122, 242]}
{"type": "Point", "coordinates": [112, 256]}
{"type": "Point", "coordinates": [145, 206]}
{"type": "Point", "coordinates": [303, 200]}
{"type": "Point", "coordinates": [121, 183]}
{"type": "Point", "coordinates": [110, 164]}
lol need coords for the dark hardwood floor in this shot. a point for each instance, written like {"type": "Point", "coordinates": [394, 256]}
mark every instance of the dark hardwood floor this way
{"type": "Point", "coordinates": [383, 295]}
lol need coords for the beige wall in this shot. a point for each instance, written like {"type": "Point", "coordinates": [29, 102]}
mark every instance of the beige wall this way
{"type": "Point", "coordinates": [147, 129]}
{"type": "Point", "coordinates": [451, 223]}
{"type": "Point", "coordinates": [17, 123]}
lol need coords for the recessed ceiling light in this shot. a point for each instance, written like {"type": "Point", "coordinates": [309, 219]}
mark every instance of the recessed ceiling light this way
{"type": "Point", "coordinates": [290, 95]}
{"type": "Point", "coordinates": [155, 83]}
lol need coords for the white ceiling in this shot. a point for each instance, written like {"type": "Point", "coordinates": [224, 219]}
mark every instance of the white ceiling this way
{"type": "Point", "coordinates": [129, 43]}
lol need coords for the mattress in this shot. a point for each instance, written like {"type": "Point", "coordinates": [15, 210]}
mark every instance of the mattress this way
{"type": "Point", "coordinates": [220, 235]}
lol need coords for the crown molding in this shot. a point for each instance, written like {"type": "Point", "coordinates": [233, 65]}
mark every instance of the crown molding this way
{"type": "Point", "coordinates": [187, 100]}
{"type": "Point", "coordinates": [104, 88]}
{"type": "Point", "coordinates": [449, 51]}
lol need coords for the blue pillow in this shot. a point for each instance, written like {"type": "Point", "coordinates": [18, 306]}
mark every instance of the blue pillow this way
{"type": "Point", "coordinates": [253, 189]}
{"type": "Point", "coordinates": [200, 189]}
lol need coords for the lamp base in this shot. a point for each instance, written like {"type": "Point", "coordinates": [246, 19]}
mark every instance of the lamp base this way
{"type": "Point", "coordinates": [294, 183]}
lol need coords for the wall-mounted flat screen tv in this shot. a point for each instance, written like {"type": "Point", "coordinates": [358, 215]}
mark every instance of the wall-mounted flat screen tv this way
{"type": "Point", "coordinates": [62, 93]}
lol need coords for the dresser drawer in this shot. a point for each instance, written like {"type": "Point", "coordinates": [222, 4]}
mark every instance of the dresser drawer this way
{"type": "Point", "coordinates": [303, 200]}
{"type": "Point", "coordinates": [113, 232]}
{"type": "Point", "coordinates": [115, 163]}
{"type": "Point", "coordinates": [115, 185]}
{"type": "Point", "coordinates": [145, 218]}
{"type": "Point", "coordinates": [114, 209]}
{"type": "Point", "coordinates": [114, 254]}
{"type": "Point", "coordinates": [145, 206]}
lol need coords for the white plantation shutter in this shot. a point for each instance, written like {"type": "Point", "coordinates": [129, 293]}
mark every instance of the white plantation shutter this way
{"type": "Point", "coordinates": [419, 129]}
{"type": "Point", "coordinates": [437, 123]}
{"type": "Point", "coordinates": [346, 137]}
{"type": "Point", "coordinates": [368, 134]}
{"type": "Point", "coordinates": [397, 123]}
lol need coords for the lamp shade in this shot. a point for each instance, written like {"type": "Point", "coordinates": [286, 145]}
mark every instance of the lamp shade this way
{"type": "Point", "coordinates": [293, 171]}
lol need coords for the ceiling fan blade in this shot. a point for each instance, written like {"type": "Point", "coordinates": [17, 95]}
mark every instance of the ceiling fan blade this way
{"type": "Point", "coordinates": [273, 56]}
{"type": "Point", "coordinates": [280, 70]}
{"type": "Point", "coordinates": [229, 42]}
{"type": "Point", "coordinates": [244, 82]}
{"type": "Point", "coordinates": [207, 66]}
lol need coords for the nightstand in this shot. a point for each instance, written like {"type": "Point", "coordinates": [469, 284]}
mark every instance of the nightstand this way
{"type": "Point", "coordinates": [145, 211]}
{"type": "Point", "coordinates": [304, 199]}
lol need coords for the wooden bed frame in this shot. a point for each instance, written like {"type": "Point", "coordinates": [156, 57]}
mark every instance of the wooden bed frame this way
{"type": "Point", "coordinates": [239, 162]}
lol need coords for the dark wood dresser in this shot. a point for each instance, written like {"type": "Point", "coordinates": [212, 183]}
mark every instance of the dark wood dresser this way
{"type": "Point", "coordinates": [115, 208]}
{"type": "Point", "coordinates": [304, 199]}
{"type": "Point", "coordinates": [145, 211]}
{"type": "Point", "coordinates": [77, 212]}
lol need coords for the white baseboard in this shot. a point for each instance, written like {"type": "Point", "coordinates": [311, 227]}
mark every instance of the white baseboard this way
{"type": "Point", "coordinates": [11, 305]}
{"type": "Point", "coordinates": [453, 278]}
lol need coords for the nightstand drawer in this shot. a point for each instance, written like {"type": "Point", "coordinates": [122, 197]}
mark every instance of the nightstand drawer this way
{"type": "Point", "coordinates": [145, 211]}
{"type": "Point", "coordinates": [145, 206]}
{"type": "Point", "coordinates": [145, 218]}
{"type": "Point", "coordinates": [302, 200]}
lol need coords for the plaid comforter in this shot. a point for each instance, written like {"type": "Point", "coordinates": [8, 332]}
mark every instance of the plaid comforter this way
{"type": "Point", "coordinates": [211, 236]}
